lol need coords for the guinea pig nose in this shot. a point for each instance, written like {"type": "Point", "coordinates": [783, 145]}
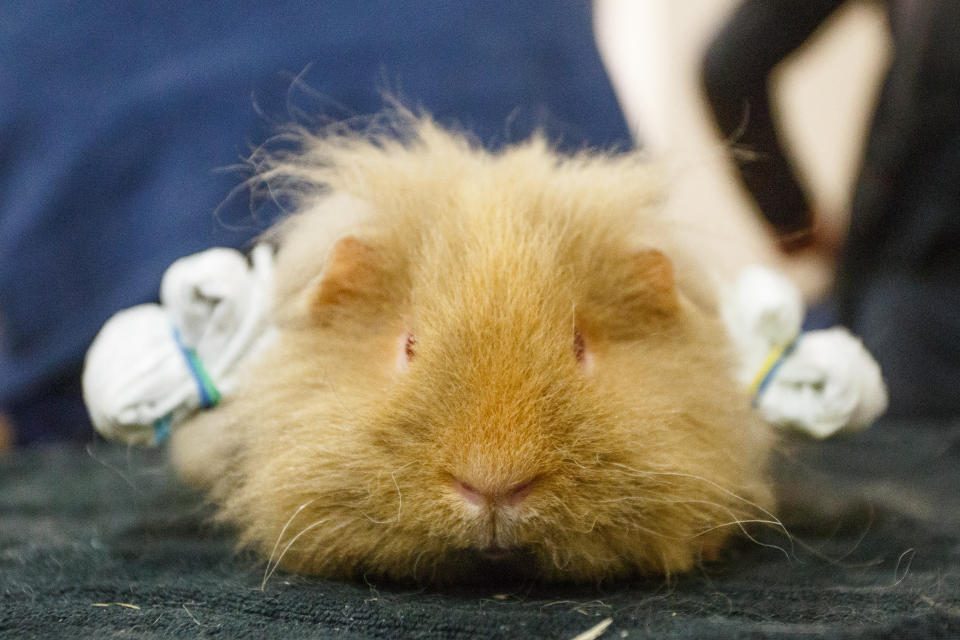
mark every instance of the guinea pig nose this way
{"type": "Point", "coordinates": [511, 495]}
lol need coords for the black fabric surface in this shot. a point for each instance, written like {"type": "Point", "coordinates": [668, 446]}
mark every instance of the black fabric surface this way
{"type": "Point", "coordinates": [875, 552]}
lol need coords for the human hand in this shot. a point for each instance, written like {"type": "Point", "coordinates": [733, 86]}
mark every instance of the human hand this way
{"type": "Point", "coordinates": [823, 239]}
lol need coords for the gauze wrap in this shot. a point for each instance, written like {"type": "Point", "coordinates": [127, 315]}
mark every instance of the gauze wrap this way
{"type": "Point", "coordinates": [152, 366]}
{"type": "Point", "coordinates": [820, 382]}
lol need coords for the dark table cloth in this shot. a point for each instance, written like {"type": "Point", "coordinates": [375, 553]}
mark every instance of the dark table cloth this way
{"type": "Point", "coordinates": [875, 552]}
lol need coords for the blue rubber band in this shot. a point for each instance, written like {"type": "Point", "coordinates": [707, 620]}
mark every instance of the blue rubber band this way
{"type": "Point", "coordinates": [209, 395]}
{"type": "Point", "coordinates": [161, 428]}
{"type": "Point", "coordinates": [765, 382]}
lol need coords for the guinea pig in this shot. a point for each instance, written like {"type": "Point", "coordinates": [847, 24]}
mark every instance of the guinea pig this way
{"type": "Point", "coordinates": [481, 359]}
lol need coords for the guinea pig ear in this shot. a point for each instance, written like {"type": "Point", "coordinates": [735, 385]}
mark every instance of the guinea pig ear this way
{"type": "Point", "coordinates": [353, 274]}
{"type": "Point", "coordinates": [639, 291]}
{"type": "Point", "coordinates": [655, 289]}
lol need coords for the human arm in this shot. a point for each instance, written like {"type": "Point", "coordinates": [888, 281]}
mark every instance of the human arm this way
{"type": "Point", "coordinates": [735, 76]}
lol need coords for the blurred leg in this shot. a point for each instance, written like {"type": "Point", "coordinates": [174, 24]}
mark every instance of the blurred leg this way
{"type": "Point", "coordinates": [907, 305]}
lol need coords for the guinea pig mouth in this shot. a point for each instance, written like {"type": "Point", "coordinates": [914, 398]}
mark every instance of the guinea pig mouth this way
{"type": "Point", "coordinates": [499, 554]}
{"type": "Point", "coordinates": [500, 564]}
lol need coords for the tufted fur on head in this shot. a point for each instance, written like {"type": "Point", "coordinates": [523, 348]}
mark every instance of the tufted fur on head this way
{"type": "Point", "coordinates": [481, 358]}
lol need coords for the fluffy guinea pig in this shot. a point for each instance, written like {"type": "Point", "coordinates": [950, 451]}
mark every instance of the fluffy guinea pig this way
{"type": "Point", "coordinates": [481, 359]}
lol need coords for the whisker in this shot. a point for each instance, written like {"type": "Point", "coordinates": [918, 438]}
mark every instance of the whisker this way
{"type": "Point", "coordinates": [560, 563]}
{"type": "Point", "coordinates": [276, 564]}
{"type": "Point", "coordinates": [321, 553]}
{"type": "Point", "coordinates": [393, 476]}
{"type": "Point", "coordinates": [838, 562]}
{"type": "Point", "coordinates": [580, 517]}
{"type": "Point", "coordinates": [416, 563]}
{"type": "Point", "coordinates": [279, 537]}
{"type": "Point", "coordinates": [739, 522]}
{"type": "Point", "coordinates": [396, 518]}
{"type": "Point", "coordinates": [89, 450]}
{"type": "Point", "coordinates": [706, 480]}
{"type": "Point", "coordinates": [771, 519]}
{"type": "Point", "coordinates": [908, 554]}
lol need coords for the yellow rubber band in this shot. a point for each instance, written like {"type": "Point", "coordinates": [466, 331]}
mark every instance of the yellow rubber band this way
{"type": "Point", "coordinates": [773, 357]}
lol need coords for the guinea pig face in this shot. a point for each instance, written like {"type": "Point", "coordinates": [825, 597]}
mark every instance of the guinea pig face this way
{"type": "Point", "coordinates": [490, 391]}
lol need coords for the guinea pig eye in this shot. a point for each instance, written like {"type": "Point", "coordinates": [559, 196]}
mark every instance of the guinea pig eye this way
{"type": "Point", "coordinates": [581, 353]}
{"type": "Point", "coordinates": [408, 346]}
{"type": "Point", "coordinates": [579, 347]}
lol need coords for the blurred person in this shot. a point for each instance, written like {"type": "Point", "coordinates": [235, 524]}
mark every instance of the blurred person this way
{"type": "Point", "coordinates": [114, 118]}
{"type": "Point", "coordinates": [898, 270]}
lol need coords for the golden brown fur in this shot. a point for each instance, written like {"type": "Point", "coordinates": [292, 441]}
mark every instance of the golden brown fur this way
{"type": "Point", "coordinates": [337, 457]}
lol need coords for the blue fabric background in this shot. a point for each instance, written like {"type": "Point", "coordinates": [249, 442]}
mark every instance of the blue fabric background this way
{"type": "Point", "coordinates": [115, 116]}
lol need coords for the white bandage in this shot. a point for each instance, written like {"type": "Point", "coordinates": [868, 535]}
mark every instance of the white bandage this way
{"type": "Point", "coordinates": [152, 366]}
{"type": "Point", "coordinates": [820, 382]}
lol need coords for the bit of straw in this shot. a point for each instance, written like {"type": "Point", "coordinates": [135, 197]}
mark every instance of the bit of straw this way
{"type": "Point", "coordinates": [115, 604]}
{"type": "Point", "coordinates": [595, 631]}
